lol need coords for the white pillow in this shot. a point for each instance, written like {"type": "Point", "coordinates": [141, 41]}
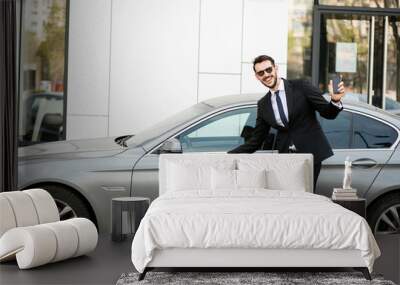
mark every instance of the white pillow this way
{"type": "Point", "coordinates": [185, 175]}
{"type": "Point", "coordinates": [181, 177]}
{"type": "Point", "coordinates": [223, 179]}
{"type": "Point", "coordinates": [227, 179]}
{"type": "Point", "coordinates": [280, 180]}
{"type": "Point", "coordinates": [282, 174]}
{"type": "Point", "coordinates": [251, 178]}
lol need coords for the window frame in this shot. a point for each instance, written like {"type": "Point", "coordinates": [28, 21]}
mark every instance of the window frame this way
{"type": "Point", "coordinates": [20, 23]}
{"type": "Point", "coordinates": [394, 144]}
{"type": "Point", "coordinates": [320, 10]}
{"type": "Point", "coordinates": [155, 150]}
{"type": "Point", "coordinates": [214, 116]}
{"type": "Point", "coordinates": [353, 111]}
{"type": "Point", "coordinates": [351, 129]}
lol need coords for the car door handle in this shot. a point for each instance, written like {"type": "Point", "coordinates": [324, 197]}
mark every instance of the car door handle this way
{"type": "Point", "coordinates": [364, 163]}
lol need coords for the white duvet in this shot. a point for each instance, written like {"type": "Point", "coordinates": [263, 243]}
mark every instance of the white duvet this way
{"type": "Point", "coordinates": [250, 219]}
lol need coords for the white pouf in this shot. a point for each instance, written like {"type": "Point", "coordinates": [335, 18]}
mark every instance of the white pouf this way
{"type": "Point", "coordinates": [23, 208]}
{"type": "Point", "coordinates": [31, 230]}
{"type": "Point", "coordinates": [7, 220]}
{"type": "Point", "coordinates": [52, 242]}
{"type": "Point", "coordinates": [45, 205]}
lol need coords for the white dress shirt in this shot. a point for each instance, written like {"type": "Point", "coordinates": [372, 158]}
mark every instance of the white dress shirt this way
{"type": "Point", "coordinates": [282, 95]}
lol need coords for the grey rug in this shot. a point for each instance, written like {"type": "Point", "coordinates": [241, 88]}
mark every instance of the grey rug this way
{"type": "Point", "coordinates": [228, 278]}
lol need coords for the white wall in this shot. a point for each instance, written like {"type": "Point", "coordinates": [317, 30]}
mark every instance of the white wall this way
{"type": "Point", "coordinates": [135, 62]}
{"type": "Point", "coordinates": [88, 68]}
{"type": "Point", "coordinates": [154, 61]}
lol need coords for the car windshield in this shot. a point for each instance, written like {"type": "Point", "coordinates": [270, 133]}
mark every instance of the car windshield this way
{"type": "Point", "coordinates": [168, 124]}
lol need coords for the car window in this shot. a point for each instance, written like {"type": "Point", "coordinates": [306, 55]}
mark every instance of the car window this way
{"type": "Point", "coordinates": [166, 125]}
{"type": "Point", "coordinates": [219, 133]}
{"type": "Point", "coordinates": [371, 133]}
{"type": "Point", "coordinates": [338, 131]}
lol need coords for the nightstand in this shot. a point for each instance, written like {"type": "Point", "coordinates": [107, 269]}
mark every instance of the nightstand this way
{"type": "Point", "coordinates": [358, 206]}
{"type": "Point", "coordinates": [127, 212]}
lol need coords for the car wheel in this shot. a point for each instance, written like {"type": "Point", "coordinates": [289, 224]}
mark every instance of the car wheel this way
{"type": "Point", "coordinates": [384, 215]}
{"type": "Point", "coordinates": [69, 204]}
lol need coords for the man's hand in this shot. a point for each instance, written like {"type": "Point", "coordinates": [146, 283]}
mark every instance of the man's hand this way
{"type": "Point", "coordinates": [338, 96]}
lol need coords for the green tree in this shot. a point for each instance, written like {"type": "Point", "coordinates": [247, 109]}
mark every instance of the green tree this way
{"type": "Point", "coordinates": [51, 51]}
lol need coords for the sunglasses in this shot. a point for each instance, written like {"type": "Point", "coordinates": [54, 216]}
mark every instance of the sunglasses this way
{"type": "Point", "coordinates": [267, 70]}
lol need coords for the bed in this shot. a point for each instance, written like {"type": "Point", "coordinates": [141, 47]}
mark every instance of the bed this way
{"type": "Point", "coordinates": [241, 210]}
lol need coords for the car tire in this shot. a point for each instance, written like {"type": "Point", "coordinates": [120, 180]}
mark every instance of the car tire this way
{"type": "Point", "coordinates": [69, 203]}
{"type": "Point", "coordinates": [382, 211]}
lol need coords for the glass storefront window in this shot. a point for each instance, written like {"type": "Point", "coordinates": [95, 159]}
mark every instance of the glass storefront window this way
{"type": "Point", "coordinates": [392, 90]}
{"type": "Point", "coordinates": [42, 67]}
{"type": "Point", "coordinates": [349, 33]}
{"type": "Point", "coordinates": [299, 39]}
{"type": "Point", "coordinates": [361, 42]}
{"type": "Point", "coordinates": [361, 3]}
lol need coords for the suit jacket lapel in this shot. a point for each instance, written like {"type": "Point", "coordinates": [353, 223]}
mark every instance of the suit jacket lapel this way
{"type": "Point", "coordinates": [269, 110]}
{"type": "Point", "coordinates": [289, 98]}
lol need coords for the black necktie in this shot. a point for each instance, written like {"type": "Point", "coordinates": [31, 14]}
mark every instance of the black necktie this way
{"type": "Point", "coordinates": [280, 109]}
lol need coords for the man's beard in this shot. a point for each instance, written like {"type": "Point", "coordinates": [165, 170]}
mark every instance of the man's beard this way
{"type": "Point", "coordinates": [275, 80]}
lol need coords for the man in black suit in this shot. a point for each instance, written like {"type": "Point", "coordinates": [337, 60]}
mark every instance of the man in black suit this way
{"type": "Point", "coordinates": [290, 107]}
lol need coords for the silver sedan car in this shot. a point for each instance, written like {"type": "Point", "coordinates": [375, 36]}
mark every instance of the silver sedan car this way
{"type": "Point", "coordinates": [84, 175]}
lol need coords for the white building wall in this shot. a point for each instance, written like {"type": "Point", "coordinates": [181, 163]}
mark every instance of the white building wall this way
{"type": "Point", "coordinates": [133, 63]}
{"type": "Point", "coordinates": [88, 68]}
{"type": "Point", "coordinates": [265, 32]}
{"type": "Point", "coordinates": [154, 61]}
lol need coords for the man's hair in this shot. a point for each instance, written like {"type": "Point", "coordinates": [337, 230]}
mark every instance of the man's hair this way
{"type": "Point", "coordinates": [262, 58]}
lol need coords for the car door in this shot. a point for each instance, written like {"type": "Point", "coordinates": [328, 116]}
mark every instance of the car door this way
{"type": "Point", "coordinates": [365, 139]}
{"type": "Point", "coordinates": [218, 132]}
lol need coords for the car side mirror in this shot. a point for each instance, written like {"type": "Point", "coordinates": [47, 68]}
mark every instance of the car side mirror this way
{"type": "Point", "coordinates": [171, 146]}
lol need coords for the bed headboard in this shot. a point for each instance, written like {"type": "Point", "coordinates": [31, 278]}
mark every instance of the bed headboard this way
{"type": "Point", "coordinates": [281, 162]}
